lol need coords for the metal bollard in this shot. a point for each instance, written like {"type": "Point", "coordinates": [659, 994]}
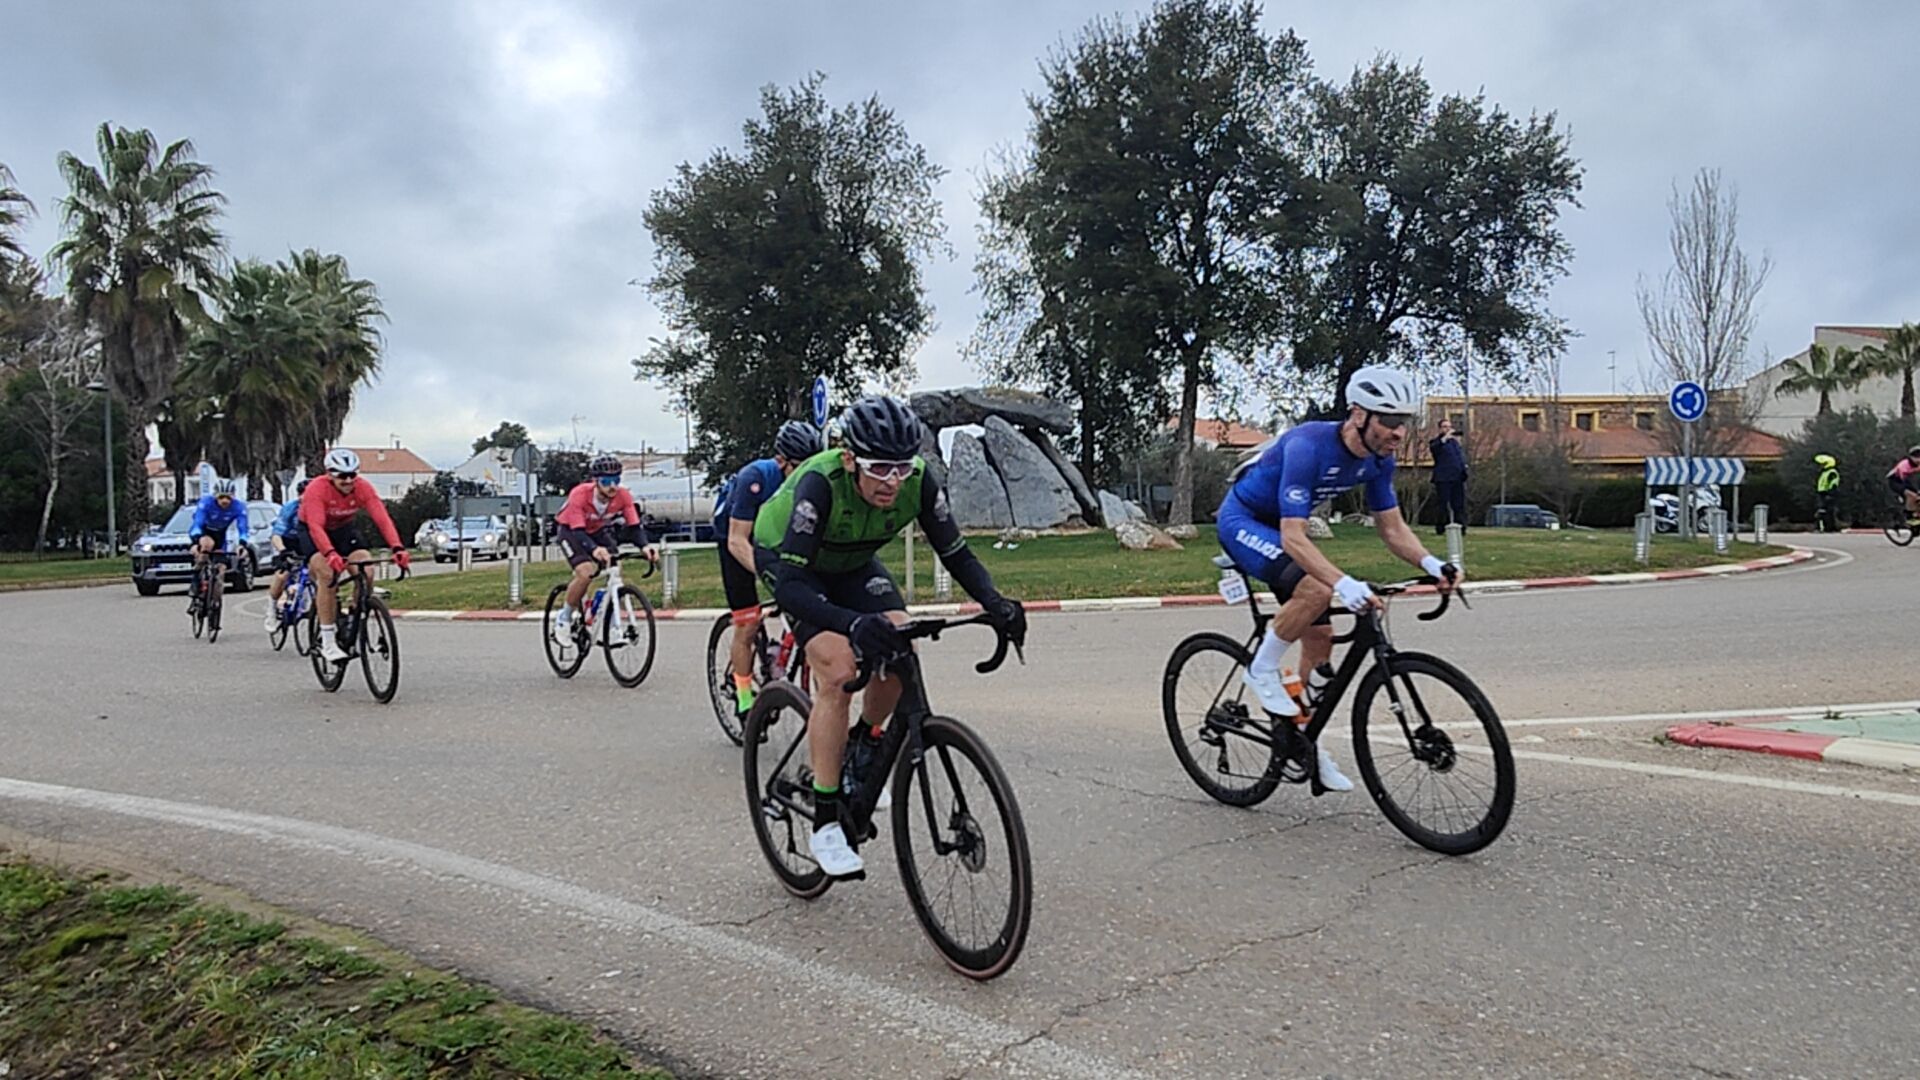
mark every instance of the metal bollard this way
{"type": "Point", "coordinates": [1642, 537]}
{"type": "Point", "coordinates": [466, 558]}
{"type": "Point", "coordinates": [942, 581]}
{"type": "Point", "coordinates": [669, 577]}
{"type": "Point", "coordinates": [1760, 524]}
{"type": "Point", "coordinates": [515, 593]}
{"type": "Point", "coordinates": [1717, 526]}
{"type": "Point", "coordinates": [910, 531]}
{"type": "Point", "coordinates": [1457, 544]}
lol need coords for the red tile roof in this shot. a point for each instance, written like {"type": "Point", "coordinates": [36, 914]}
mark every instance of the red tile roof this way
{"type": "Point", "coordinates": [1228, 433]}
{"type": "Point", "coordinates": [1859, 331]}
{"type": "Point", "coordinates": [389, 459]}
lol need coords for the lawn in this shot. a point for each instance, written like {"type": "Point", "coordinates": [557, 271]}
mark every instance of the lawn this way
{"type": "Point", "coordinates": [1094, 565]}
{"type": "Point", "coordinates": [151, 981]}
{"type": "Point", "coordinates": [22, 567]}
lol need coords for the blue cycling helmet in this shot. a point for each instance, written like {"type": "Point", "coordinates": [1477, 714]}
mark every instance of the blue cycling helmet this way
{"type": "Point", "coordinates": [797, 441]}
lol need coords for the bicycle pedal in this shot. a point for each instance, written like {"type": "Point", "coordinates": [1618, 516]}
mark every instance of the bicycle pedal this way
{"type": "Point", "coordinates": [857, 875]}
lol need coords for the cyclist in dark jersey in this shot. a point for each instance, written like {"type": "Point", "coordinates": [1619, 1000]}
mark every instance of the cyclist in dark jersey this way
{"type": "Point", "coordinates": [816, 542]}
{"type": "Point", "coordinates": [1263, 527]}
{"type": "Point", "coordinates": [740, 502]}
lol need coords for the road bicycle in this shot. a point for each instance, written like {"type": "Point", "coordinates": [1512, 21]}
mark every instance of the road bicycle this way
{"type": "Point", "coordinates": [958, 836]}
{"type": "Point", "coordinates": [1433, 756]}
{"type": "Point", "coordinates": [205, 593]}
{"type": "Point", "coordinates": [781, 659]}
{"type": "Point", "coordinates": [365, 630]}
{"type": "Point", "coordinates": [620, 614]}
{"type": "Point", "coordinates": [293, 621]}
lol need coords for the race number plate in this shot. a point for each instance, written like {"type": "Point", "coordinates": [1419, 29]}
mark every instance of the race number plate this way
{"type": "Point", "coordinates": [1233, 588]}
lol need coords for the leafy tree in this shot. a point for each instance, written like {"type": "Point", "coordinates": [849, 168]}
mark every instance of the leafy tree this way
{"type": "Point", "coordinates": [1866, 446]}
{"type": "Point", "coordinates": [1151, 223]}
{"type": "Point", "coordinates": [793, 258]}
{"type": "Point", "coordinates": [339, 313]}
{"type": "Point", "coordinates": [139, 248]}
{"type": "Point", "coordinates": [420, 503]}
{"type": "Point", "coordinates": [1824, 372]}
{"type": "Point", "coordinates": [563, 470]}
{"type": "Point", "coordinates": [1439, 228]}
{"type": "Point", "coordinates": [1899, 356]}
{"type": "Point", "coordinates": [507, 436]}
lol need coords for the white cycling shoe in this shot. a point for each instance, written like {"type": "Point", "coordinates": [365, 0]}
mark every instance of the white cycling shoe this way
{"type": "Point", "coordinates": [273, 618]}
{"type": "Point", "coordinates": [1273, 696]}
{"type": "Point", "coordinates": [331, 652]}
{"type": "Point", "coordinates": [1331, 777]}
{"type": "Point", "coordinates": [835, 856]}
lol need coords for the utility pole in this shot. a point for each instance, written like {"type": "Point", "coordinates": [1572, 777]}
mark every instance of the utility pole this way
{"type": "Point", "coordinates": [1613, 386]}
{"type": "Point", "coordinates": [576, 430]}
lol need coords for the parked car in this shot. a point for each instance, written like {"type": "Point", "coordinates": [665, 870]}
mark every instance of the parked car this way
{"type": "Point", "coordinates": [486, 537]}
{"type": "Point", "coordinates": [161, 557]}
{"type": "Point", "coordinates": [427, 528]}
{"type": "Point", "coordinates": [1521, 516]}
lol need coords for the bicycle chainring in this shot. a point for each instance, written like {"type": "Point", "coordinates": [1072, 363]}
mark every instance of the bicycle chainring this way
{"type": "Point", "coordinates": [1435, 748]}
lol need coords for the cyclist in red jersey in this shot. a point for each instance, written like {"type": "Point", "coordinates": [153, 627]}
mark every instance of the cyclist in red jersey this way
{"type": "Point", "coordinates": [586, 532]}
{"type": "Point", "coordinates": [327, 540]}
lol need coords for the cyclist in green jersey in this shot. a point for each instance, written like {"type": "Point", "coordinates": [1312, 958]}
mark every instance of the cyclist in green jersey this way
{"type": "Point", "coordinates": [816, 543]}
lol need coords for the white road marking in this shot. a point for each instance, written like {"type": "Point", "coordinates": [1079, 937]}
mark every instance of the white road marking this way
{"type": "Point", "coordinates": [1798, 786]}
{"type": "Point", "coordinates": [950, 1028]}
{"type": "Point", "coordinates": [1802, 712]}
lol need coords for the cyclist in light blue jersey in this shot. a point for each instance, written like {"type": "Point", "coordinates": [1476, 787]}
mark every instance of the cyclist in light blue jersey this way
{"type": "Point", "coordinates": [1263, 527]}
{"type": "Point", "coordinates": [284, 527]}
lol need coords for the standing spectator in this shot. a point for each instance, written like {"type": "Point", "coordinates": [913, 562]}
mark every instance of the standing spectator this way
{"type": "Point", "coordinates": [1827, 488]}
{"type": "Point", "coordinates": [1449, 476]}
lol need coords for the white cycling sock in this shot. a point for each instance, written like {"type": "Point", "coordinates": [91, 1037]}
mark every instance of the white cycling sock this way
{"type": "Point", "coordinates": [1266, 661]}
{"type": "Point", "coordinates": [327, 632]}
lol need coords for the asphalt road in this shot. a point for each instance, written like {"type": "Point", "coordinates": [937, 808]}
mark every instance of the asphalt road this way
{"type": "Point", "coordinates": [1651, 911]}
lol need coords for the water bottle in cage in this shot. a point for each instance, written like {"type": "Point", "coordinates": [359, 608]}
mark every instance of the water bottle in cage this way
{"type": "Point", "coordinates": [593, 608]}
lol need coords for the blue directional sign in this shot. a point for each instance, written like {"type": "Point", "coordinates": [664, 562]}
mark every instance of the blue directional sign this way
{"type": "Point", "coordinates": [819, 401]}
{"type": "Point", "coordinates": [1688, 402]}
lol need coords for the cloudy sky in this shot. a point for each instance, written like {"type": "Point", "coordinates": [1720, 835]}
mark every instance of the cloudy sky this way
{"type": "Point", "coordinates": [486, 164]}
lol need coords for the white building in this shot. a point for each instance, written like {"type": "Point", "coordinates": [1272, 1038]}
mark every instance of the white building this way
{"type": "Point", "coordinates": [391, 471]}
{"type": "Point", "coordinates": [1785, 415]}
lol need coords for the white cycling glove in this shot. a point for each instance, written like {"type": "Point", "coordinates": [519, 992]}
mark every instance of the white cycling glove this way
{"type": "Point", "coordinates": [1434, 567]}
{"type": "Point", "coordinates": [1353, 594]}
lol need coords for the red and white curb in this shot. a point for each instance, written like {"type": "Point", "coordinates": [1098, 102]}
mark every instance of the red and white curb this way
{"type": "Point", "coordinates": [1845, 749]}
{"type": "Point", "coordinates": [1155, 603]}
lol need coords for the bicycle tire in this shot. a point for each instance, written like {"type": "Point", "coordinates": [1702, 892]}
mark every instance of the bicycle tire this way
{"type": "Point", "coordinates": [277, 637]}
{"type": "Point", "coordinates": [789, 852]}
{"type": "Point", "coordinates": [1440, 742]}
{"type": "Point", "coordinates": [378, 637]}
{"type": "Point", "coordinates": [302, 628]}
{"type": "Point", "coordinates": [1900, 533]}
{"type": "Point", "coordinates": [944, 739]}
{"type": "Point", "coordinates": [720, 675]}
{"type": "Point", "coordinates": [557, 650]}
{"type": "Point", "coordinates": [197, 603]}
{"type": "Point", "coordinates": [638, 620]}
{"type": "Point", "coordinates": [330, 674]}
{"type": "Point", "coordinates": [1188, 733]}
{"type": "Point", "coordinates": [216, 588]}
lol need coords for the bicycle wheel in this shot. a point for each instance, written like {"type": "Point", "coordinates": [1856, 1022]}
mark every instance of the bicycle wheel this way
{"type": "Point", "coordinates": [379, 651]}
{"type": "Point", "coordinates": [1440, 768]}
{"type": "Point", "coordinates": [779, 770]}
{"type": "Point", "coordinates": [629, 646]}
{"type": "Point", "coordinates": [1205, 705]}
{"type": "Point", "coordinates": [197, 603]}
{"type": "Point", "coordinates": [302, 629]}
{"type": "Point", "coordinates": [277, 637]}
{"type": "Point", "coordinates": [966, 867]}
{"type": "Point", "coordinates": [216, 585]}
{"type": "Point", "coordinates": [720, 673]}
{"type": "Point", "coordinates": [329, 674]}
{"type": "Point", "coordinates": [562, 654]}
{"type": "Point", "coordinates": [1900, 532]}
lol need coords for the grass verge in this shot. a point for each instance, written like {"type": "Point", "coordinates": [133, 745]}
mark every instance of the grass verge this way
{"type": "Point", "coordinates": [150, 981]}
{"type": "Point", "coordinates": [1095, 565]}
{"type": "Point", "coordinates": [21, 569]}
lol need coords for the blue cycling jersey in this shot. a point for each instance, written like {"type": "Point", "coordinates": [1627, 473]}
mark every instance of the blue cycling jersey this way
{"type": "Point", "coordinates": [289, 519]}
{"type": "Point", "coordinates": [210, 520]}
{"type": "Point", "coordinates": [1305, 467]}
{"type": "Point", "coordinates": [740, 499]}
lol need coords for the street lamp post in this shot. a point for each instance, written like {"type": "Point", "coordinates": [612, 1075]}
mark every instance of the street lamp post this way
{"type": "Point", "coordinates": [106, 412]}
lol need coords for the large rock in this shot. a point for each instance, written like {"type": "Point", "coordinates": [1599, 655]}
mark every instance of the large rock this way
{"type": "Point", "coordinates": [1140, 536]}
{"type": "Point", "coordinates": [1318, 529]}
{"type": "Point", "coordinates": [1089, 506]}
{"type": "Point", "coordinates": [973, 404]}
{"type": "Point", "coordinates": [978, 497]}
{"type": "Point", "coordinates": [1036, 491]}
{"type": "Point", "coordinates": [930, 452]}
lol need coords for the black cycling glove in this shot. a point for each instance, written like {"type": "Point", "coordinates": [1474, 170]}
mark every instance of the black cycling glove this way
{"type": "Point", "coordinates": [1009, 617]}
{"type": "Point", "coordinates": [874, 637]}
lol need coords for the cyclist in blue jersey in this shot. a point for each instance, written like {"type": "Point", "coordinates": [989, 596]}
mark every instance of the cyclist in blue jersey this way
{"type": "Point", "coordinates": [1263, 527]}
{"type": "Point", "coordinates": [733, 517]}
{"type": "Point", "coordinates": [216, 511]}
{"type": "Point", "coordinates": [284, 527]}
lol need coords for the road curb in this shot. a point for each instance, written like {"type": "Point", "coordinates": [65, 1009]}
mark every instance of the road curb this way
{"type": "Point", "coordinates": [1154, 603]}
{"type": "Point", "coordinates": [1843, 749]}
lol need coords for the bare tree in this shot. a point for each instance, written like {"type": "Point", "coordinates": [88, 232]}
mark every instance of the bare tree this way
{"type": "Point", "coordinates": [1700, 319]}
{"type": "Point", "coordinates": [1551, 455]}
{"type": "Point", "coordinates": [57, 363]}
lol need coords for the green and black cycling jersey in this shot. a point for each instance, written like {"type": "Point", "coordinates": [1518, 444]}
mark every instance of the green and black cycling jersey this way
{"type": "Point", "coordinates": [818, 526]}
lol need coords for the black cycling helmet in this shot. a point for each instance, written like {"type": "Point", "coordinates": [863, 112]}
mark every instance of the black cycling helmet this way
{"type": "Point", "coordinates": [797, 441]}
{"type": "Point", "coordinates": [881, 428]}
{"type": "Point", "coordinates": [300, 488]}
{"type": "Point", "coordinates": [606, 465]}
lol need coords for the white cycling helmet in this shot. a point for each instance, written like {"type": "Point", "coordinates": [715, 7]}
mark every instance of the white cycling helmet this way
{"type": "Point", "coordinates": [343, 460]}
{"type": "Point", "coordinates": [1384, 390]}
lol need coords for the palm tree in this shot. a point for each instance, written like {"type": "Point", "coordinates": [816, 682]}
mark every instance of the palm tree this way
{"type": "Point", "coordinates": [1823, 372]}
{"type": "Point", "coordinates": [19, 278]}
{"type": "Point", "coordinates": [15, 209]}
{"type": "Point", "coordinates": [340, 311]}
{"type": "Point", "coordinates": [1899, 356]}
{"type": "Point", "coordinates": [260, 362]}
{"type": "Point", "coordinates": [139, 246]}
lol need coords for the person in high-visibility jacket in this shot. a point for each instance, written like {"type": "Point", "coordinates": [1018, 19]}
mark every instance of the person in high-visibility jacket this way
{"type": "Point", "coordinates": [1827, 491]}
